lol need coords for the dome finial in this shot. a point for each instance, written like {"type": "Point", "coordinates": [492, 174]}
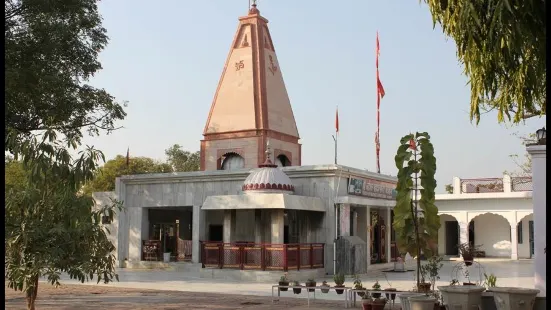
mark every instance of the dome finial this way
{"type": "Point", "coordinates": [268, 161]}
{"type": "Point", "coordinates": [253, 9]}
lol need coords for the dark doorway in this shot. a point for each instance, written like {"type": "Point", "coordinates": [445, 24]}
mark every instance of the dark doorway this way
{"type": "Point", "coordinates": [216, 233]}
{"type": "Point", "coordinates": [471, 232]}
{"type": "Point", "coordinates": [531, 237]}
{"type": "Point", "coordinates": [286, 234]}
{"type": "Point", "coordinates": [452, 237]}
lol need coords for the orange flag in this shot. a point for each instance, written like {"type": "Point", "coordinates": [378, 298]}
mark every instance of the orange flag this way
{"type": "Point", "coordinates": [337, 121]}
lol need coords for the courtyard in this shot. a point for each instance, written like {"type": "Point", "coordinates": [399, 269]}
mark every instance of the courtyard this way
{"type": "Point", "coordinates": [139, 289]}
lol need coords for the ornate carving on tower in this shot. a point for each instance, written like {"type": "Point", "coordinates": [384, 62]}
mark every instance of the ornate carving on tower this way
{"type": "Point", "coordinates": [250, 105]}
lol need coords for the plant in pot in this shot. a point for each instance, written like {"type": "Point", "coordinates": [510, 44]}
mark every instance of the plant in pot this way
{"type": "Point", "coordinates": [325, 290]}
{"type": "Point", "coordinates": [489, 281]}
{"type": "Point", "coordinates": [376, 287]}
{"type": "Point", "coordinates": [433, 266]}
{"type": "Point", "coordinates": [366, 302]}
{"type": "Point", "coordinates": [416, 221]}
{"type": "Point", "coordinates": [422, 286]}
{"type": "Point", "coordinates": [466, 273]}
{"type": "Point", "coordinates": [296, 290]}
{"type": "Point", "coordinates": [378, 303]}
{"type": "Point", "coordinates": [310, 283]}
{"type": "Point", "coordinates": [388, 296]}
{"type": "Point", "coordinates": [468, 251]}
{"type": "Point", "coordinates": [358, 286]}
{"type": "Point", "coordinates": [283, 281]}
{"type": "Point", "coordinates": [439, 304]}
{"type": "Point", "coordinates": [339, 282]}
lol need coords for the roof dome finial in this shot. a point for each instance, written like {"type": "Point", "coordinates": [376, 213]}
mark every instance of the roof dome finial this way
{"type": "Point", "coordinates": [253, 9]}
{"type": "Point", "coordinates": [268, 161]}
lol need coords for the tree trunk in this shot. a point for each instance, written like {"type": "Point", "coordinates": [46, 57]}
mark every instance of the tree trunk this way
{"type": "Point", "coordinates": [31, 295]}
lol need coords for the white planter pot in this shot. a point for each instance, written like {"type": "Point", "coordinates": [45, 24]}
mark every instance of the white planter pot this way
{"type": "Point", "coordinates": [399, 266]}
{"type": "Point", "coordinates": [166, 257]}
{"type": "Point", "coordinates": [421, 302]}
{"type": "Point", "coordinates": [514, 298]}
{"type": "Point", "coordinates": [404, 299]}
{"type": "Point", "coordinates": [462, 297]}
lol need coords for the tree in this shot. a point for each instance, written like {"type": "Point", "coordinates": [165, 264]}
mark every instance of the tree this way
{"type": "Point", "coordinates": [502, 45]}
{"type": "Point", "coordinates": [182, 161]}
{"type": "Point", "coordinates": [416, 232]}
{"type": "Point", "coordinates": [449, 188]}
{"type": "Point", "coordinates": [105, 176]}
{"type": "Point", "coordinates": [51, 50]}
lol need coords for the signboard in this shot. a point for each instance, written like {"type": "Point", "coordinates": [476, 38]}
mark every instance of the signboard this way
{"type": "Point", "coordinates": [372, 188]}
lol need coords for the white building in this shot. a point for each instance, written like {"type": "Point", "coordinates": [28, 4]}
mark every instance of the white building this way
{"type": "Point", "coordinates": [494, 213]}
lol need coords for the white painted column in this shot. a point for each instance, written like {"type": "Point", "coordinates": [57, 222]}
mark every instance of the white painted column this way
{"type": "Point", "coordinates": [277, 226]}
{"type": "Point", "coordinates": [123, 222]}
{"type": "Point", "coordinates": [507, 184]}
{"type": "Point", "coordinates": [539, 156]}
{"type": "Point", "coordinates": [388, 235]}
{"type": "Point", "coordinates": [456, 185]}
{"type": "Point", "coordinates": [198, 233]}
{"type": "Point", "coordinates": [514, 237]}
{"type": "Point", "coordinates": [345, 219]}
{"type": "Point", "coordinates": [368, 238]}
{"type": "Point", "coordinates": [135, 238]}
{"type": "Point", "coordinates": [229, 223]}
{"type": "Point", "coordinates": [463, 222]}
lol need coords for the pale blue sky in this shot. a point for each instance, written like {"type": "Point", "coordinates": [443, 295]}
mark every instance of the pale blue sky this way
{"type": "Point", "coordinates": [166, 57]}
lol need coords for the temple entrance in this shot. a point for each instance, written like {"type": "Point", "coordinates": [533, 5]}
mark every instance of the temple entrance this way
{"type": "Point", "coordinates": [168, 230]}
{"type": "Point", "coordinates": [378, 238]}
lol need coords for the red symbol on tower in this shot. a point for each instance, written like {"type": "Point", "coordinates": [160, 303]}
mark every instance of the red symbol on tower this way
{"type": "Point", "coordinates": [239, 65]}
{"type": "Point", "coordinates": [272, 67]}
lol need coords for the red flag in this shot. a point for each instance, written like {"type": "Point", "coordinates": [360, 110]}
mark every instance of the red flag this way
{"type": "Point", "coordinates": [412, 144]}
{"type": "Point", "coordinates": [337, 121]}
{"type": "Point", "coordinates": [380, 88]}
{"type": "Point", "coordinates": [377, 51]}
{"type": "Point", "coordinates": [127, 157]}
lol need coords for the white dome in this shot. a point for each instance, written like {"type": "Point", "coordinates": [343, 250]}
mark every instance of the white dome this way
{"type": "Point", "coordinates": [268, 179]}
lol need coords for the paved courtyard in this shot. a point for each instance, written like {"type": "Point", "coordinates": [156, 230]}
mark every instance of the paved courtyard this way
{"type": "Point", "coordinates": [509, 273]}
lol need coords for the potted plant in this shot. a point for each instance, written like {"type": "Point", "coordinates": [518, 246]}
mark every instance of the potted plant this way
{"type": "Point", "coordinates": [489, 281]}
{"type": "Point", "coordinates": [439, 304]}
{"type": "Point", "coordinates": [376, 287]}
{"type": "Point", "coordinates": [390, 289]}
{"type": "Point", "coordinates": [296, 290]}
{"type": "Point", "coordinates": [366, 302]}
{"type": "Point", "coordinates": [325, 290]}
{"type": "Point", "coordinates": [378, 304]}
{"type": "Point", "coordinates": [422, 286]}
{"type": "Point", "coordinates": [514, 298]}
{"type": "Point", "coordinates": [433, 267]}
{"type": "Point", "coordinates": [310, 283]}
{"type": "Point", "coordinates": [466, 272]}
{"type": "Point", "coordinates": [464, 296]}
{"type": "Point", "coordinates": [358, 286]}
{"type": "Point", "coordinates": [283, 281]}
{"type": "Point", "coordinates": [468, 251]}
{"type": "Point", "coordinates": [339, 282]}
{"type": "Point", "coordinates": [425, 302]}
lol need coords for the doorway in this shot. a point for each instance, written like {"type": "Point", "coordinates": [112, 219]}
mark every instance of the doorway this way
{"type": "Point", "coordinates": [286, 234]}
{"type": "Point", "coordinates": [452, 237]}
{"type": "Point", "coordinates": [531, 237]}
{"type": "Point", "coordinates": [216, 233]}
{"type": "Point", "coordinates": [471, 232]}
{"type": "Point", "coordinates": [166, 233]}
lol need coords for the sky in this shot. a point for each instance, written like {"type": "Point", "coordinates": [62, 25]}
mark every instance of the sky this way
{"type": "Point", "coordinates": [165, 59]}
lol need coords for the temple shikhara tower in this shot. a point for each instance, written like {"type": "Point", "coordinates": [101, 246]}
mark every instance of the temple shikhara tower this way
{"type": "Point", "coordinates": [251, 105]}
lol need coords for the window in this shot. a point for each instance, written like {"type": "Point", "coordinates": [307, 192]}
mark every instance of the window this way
{"type": "Point", "coordinates": [519, 232]}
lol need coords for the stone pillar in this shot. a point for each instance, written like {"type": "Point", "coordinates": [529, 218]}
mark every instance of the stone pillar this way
{"type": "Point", "coordinates": [277, 225]}
{"type": "Point", "coordinates": [229, 226]}
{"type": "Point", "coordinates": [463, 222]}
{"type": "Point", "coordinates": [507, 184]}
{"type": "Point", "coordinates": [368, 237]}
{"type": "Point", "coordinates": [344, 219]}
{"type": "Point", "coordinates": [198, 233]}
{"type": "Point", "coordinates": [539, 156]}
{"type": "Point", "coordinates": [388, 235]}
{"type": "Point", "coordinates": [354, 215]}
{"type": "Point", "coordinates": [258, 226]}
{"type": "Point", "coordinates": [135, 238]}
{"type": "Point", "coordinates": [456, 185]}
{"type": "Point", "coordinates": [514, 241]}
{"type": "Point", "coordinates": [122, 233]}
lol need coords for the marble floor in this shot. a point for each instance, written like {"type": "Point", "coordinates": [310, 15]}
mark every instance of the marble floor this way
{"type": "Point", "coordinates": [518, 273]}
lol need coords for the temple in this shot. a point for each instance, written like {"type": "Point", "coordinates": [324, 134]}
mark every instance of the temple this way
{"type": "Point", "coordinates": [254, 211]}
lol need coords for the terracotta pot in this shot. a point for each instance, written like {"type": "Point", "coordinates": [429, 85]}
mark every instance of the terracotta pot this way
{"type": "Point", "coordinates": [468, 259]}
{"type": "Point", "coordinates": [390, 296]}
{"type": "Point", "coordinates": [367, 304]}
{"type": "Point", "coordinates": [324, 290]}
{"type": "Point", "coordinates": [339, 291]}
{"type": "Point", "coordinates": [423, 287]}
{"type": "Point", "coordinates": [283, 283]}
{"type": "Point", "coordinates": [378, 304]}
{"type": "Point", "coordinates": [310, 284]}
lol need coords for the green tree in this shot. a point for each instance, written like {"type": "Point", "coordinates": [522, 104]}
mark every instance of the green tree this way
{"type": "Point", "coordinates": [105, 177]}
{"type": "Point", "coordinates": [449, 188]}
{"type": "Point", "coordinates": [51, 50]}
{"type": "Point", "coordinates": [416, 232]}
{"type": "Point", "coordinates": [502, 45]}
{"type": "Point", "coordinates": [182, 161]}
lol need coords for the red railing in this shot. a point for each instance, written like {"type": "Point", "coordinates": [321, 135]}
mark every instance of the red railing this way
{"type": "Point", "coordinates": [261, 256]}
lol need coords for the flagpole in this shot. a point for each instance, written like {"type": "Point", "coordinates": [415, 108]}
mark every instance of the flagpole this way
{"type": "Point", "coordinates": [336, 136]}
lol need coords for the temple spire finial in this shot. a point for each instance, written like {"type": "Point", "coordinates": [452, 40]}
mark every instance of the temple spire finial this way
{"type": "Point", "coordinates": [252, 7]}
